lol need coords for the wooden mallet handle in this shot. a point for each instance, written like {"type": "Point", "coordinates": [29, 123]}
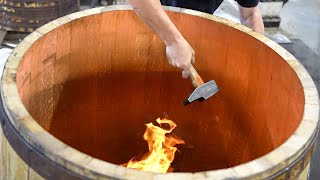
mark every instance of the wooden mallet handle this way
{"type": "Point", "coordinates": [196, 80]}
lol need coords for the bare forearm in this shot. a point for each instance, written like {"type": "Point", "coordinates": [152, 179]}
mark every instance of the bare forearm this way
{"type": "Point", "coordinates": [251, 17]}
{"type": "Point", "coordinates": [254, 22]}
{"type": "Point", "coordinates": [179, 53]}
{"type": "Point", "coordinates": [152, 13]}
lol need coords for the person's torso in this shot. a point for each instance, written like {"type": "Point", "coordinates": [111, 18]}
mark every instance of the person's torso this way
{"type": "Point", "coordinates": [208, 6]}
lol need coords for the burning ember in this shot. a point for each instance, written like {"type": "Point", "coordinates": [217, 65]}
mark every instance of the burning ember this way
{"type": "Point", "coordinates": [161, 148]}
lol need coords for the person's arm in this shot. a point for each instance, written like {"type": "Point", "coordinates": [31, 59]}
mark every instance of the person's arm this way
{"type": "Point", "coordinates": [179, 53]}
{"type": "Point", "coordinates": [251, 17]}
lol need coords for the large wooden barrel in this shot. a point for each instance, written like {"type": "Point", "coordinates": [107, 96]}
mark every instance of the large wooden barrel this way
{"type": "Point", "coordinates": [77, 92]}
{"type": "Point", "coordinates": [28, 15]}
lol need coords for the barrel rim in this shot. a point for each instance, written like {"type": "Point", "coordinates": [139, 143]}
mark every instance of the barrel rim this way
{"type": "Point", "coordinates": [88, 166]}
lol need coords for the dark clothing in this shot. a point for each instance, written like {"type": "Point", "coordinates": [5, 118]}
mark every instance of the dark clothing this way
{"type": "Point", "coordinates": [208, 6]}
{"type": "Point", "coordinates": [94, 3]}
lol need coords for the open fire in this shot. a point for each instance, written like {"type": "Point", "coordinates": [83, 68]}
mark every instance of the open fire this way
{"type": "Point", "coordinates": [161, 148]}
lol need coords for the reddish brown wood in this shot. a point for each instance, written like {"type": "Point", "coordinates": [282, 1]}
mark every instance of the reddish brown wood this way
{"type": "Point", "coordinates": [95, 82]}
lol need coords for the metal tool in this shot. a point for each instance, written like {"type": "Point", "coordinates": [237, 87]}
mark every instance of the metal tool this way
{"type": "Point", "coordinates": [203, 90]}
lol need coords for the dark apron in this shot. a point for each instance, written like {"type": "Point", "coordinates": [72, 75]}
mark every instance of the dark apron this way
{"type": "Point", "coordinates": [208, 6]}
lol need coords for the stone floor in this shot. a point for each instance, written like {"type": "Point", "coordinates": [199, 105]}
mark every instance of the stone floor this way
{"type": "Point", "coordinates": [301, 19]}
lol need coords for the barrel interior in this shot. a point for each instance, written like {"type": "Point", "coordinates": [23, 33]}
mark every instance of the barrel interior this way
{"type": "Point", "coordinates": [94, 82]}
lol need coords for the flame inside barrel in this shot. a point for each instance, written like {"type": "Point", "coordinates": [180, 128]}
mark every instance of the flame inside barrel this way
{"type": "Point", "coordinates": [161, 148]}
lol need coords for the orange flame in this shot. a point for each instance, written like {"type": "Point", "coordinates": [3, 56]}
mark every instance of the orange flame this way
{"type": "Point", "coordinates": [161, 148]}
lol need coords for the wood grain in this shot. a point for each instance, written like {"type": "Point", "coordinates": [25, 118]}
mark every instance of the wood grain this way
{"type": "Point", "coordinates": [94, 79]}
{"type": "Point", "coordinates": [105, 76]}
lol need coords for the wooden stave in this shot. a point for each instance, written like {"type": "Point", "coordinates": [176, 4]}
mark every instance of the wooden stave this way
{"type": "Point", "coordinates": [241, 171]}
{"type": "Point", "coordinates": [25, 156]}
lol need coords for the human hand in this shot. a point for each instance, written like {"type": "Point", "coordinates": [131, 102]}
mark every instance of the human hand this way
{"type": "Point", "coordinates": [180, 54]}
